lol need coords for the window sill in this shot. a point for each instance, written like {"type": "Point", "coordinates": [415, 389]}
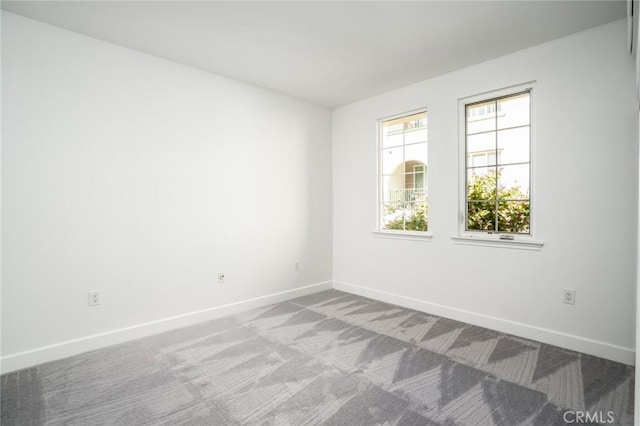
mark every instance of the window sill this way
{"type": "Point", "coordinates": [404, 235]}
{"type": "Point", "coordinates": [522, 244]}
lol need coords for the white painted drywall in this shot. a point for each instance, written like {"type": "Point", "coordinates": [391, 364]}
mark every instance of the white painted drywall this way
{"type": "Point", "coordinates": [143, 178]}
{"type": "Point", "coordinates": [585, 199]}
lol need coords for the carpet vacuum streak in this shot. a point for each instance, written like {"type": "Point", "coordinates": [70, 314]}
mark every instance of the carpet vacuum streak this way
{"type": "Point", "coordinates": [330, 358]}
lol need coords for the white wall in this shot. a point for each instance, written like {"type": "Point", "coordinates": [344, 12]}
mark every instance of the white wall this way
{"type": "Point", "coordinates": [142, 178]}
{"type": "Point", "coordinates": [585, 199]}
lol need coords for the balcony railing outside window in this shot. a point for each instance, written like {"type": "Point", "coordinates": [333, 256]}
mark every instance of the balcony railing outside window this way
{"type": "Point", "coordinates": [407, 195]}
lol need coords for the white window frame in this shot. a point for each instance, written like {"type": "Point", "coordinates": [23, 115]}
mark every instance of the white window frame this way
{"type": "Point", "coordinates": [395, 233]}
{"type": "Point", "coordinates": [422, 171]}
{"type": "Point", "coordinates": [488, 238]}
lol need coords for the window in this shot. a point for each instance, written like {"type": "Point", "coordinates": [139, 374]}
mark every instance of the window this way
{"type": "Point", "coordinates": [403, 173]}
{"type": "Point", "coordinates": [497, 164]}
{"type": "Point", "coordinates": [482, 158]}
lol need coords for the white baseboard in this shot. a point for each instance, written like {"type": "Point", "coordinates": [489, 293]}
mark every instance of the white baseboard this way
{"type": "Point", "coordinates": [552, 337]}
{"type": "Point", "coordinates": [68, 348]}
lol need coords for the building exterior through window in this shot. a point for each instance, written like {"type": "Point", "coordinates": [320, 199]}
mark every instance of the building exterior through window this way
{"type": "Point", "coordinates": [403, 172]}
{"type": "Point", "coordinates": [497, 164]}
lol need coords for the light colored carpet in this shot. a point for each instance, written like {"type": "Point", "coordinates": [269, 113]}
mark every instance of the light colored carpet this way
{"type": "Point", "coordinates": [329, 358]}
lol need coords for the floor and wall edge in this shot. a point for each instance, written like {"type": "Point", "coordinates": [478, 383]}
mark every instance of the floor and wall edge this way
{"type": "Point", "coordinates": [552, 337]}
{"type": "Point", "coordinates": [69, 348]}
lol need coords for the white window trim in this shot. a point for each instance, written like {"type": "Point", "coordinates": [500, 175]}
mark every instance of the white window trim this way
{"type": "Point", "coordinates": [481, 240]}
{"type": "Point", "coordinates": [380, 232]}
{"type": "Point", "coordinates": [491, 239]}
{"type": "Point", "coordinates": [403, 235]}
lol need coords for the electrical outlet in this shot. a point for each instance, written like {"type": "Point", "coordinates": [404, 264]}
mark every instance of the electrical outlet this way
{"type": "Point", "coordinates": [569, 296]}
{"type": "Point", "coordinates": [220, 277]}
{"type": "Point", "coordinates": [94, 298]}
{"type": "Point", "coordinates": [297, 266]}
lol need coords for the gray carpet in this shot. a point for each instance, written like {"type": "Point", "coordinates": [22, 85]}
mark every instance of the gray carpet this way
{"type": "Point", "coordinates": [329, 358]}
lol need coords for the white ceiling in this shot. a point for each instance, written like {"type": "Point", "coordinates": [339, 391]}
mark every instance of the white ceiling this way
{"type": "Point", "coordinates": [330, 53]}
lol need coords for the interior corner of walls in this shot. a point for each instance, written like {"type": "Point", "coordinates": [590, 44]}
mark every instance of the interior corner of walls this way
{"type": "Point", "coordinates": [572, 342]}
{"type": "Point", "coordinates": [33, 357]}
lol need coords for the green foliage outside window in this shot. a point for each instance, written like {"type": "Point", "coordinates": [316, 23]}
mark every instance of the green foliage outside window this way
{"type": "Point", "coordinates": [513, 209]}
{"type": "Point", "coordinates": [415, 218]}
{"type": "Point", "coordinates": [513, 214]}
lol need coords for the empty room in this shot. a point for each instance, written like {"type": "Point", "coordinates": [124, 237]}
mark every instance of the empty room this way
{"type": "Point", "coordinates": [309, 213]}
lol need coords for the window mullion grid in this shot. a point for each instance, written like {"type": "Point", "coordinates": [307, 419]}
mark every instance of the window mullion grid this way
{"type": "Point", "coordinates": [503, 129]}
{"type": "Point", "coordinates": [497, 163]}
{"type": "Point", "coordinates": [520, 163]}
{"type": "Point", "coordinates": [530, 148]}
{"type": "Point", "coordinates": [381, 188]}
{"type": "Point", "coordinates": [495, 166]}
{"type": "Point", "coordinates": [404, 175]}
{"type": "Point", "coordinates": [383, 196]}
{"type": "Point", "coordinates": [465, 216]}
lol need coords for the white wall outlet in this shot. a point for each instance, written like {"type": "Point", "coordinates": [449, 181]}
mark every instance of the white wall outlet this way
{"type": "Point", "coordinates": [569, 296]}
{"type": "Point", "coordinates": [220, 277]}
{"type": "Point", "coordinates": [297, 266]}
{"type": "Point", "coordinates": [94, 298]}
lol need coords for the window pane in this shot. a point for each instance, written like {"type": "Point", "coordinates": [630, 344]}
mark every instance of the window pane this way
{"type": "Point", "coordinates": [393, 216]}
{"type": "Point", "coordinates": [479, 160]}
{"type": "Point", "coordinates": [415, 154]}
{"type": "Point", "coordinates": [420, 179]}
{"type": "Point", "coordinates": [481, 117]}
{"type": "Point", "coordinates": [514, 111]}
{"type": "Point", "coordinates": [415, 128]}
{"type": "Point", "coordinates": [481, 183]}
{"type": "Point", "coordinates": [415, 187]}
{"type": "Point", "coordinates": [513, 145]}
{"type": "Point", "coordinates": [392, 160]}
{"type": "Point", "coordinates": [416, 217]}
{"type": "Point", "coordinates": [478, 148]}
{"type": "Point", "coordinates": [481, 215]}
{"type": "Point", "coordinates": [392, 132]}
{"type": "Point", "coordinates": [415, 121]}
{"type": "Point", "coordinates": [415, 136]}
{"type": "Point", "coordinates": [491, 158]}
{"type": "Point", "coordinates": [513, 216]}
{"type": "Point", "coordinates": [393, 188]}
{"type": "Point", "coordinates": [513, 182]}
{"type": "Point", "coordinates": [409, 181]}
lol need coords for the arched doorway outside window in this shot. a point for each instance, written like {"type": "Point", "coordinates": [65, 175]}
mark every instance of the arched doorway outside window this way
{"type": "Point", "coordinates": [407, 183]}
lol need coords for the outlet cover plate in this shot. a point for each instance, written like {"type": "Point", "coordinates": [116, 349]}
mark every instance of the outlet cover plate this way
{"type": "Point", "coordinates": [569, 296]}
{"type": "Point", "coordinates": [94, 298]}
